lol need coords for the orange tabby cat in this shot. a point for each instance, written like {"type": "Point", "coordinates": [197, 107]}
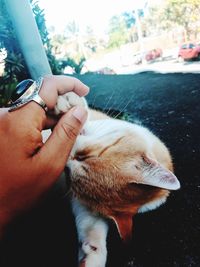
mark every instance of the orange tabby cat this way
{"type": "Point", "coordinates": [116, 169]}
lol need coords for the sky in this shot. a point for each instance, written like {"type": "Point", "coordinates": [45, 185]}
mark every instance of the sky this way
{"type": "Point", "coordinates": [95, 13]}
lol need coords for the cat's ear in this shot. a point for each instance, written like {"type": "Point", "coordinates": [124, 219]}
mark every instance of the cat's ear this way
{"type": "Point", "coordinates": [124, 223]}
{"type": "Point", "coordinates": [154, 174]}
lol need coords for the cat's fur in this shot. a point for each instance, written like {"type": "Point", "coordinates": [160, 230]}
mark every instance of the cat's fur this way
{"type": "Point", "coordinates": [116, 169]}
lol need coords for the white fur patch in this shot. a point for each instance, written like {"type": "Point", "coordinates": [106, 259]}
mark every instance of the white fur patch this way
{"type": "Point", "coordinates": [67, 101]}
{"type": "Point", "coordinates": [92, 233]}
{"type": "Point", "coordinates": [152, 205]}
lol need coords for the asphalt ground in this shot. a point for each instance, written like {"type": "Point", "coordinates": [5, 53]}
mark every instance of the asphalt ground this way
{"type": "Point", "coordinates": [168, 104]}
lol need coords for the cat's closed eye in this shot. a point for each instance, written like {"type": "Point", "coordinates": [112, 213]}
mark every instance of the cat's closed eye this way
{"type": "Point", "coordinates": [82, 157]}
{"type": "Point", "coordinates": [137, 167]}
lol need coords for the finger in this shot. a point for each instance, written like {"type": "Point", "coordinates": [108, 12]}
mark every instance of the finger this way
{"type": "Point", "coordinates": [29, 116]}
{"type": "Point", "coordinates": [66, 84]}
{"type": "Point", "coordinates": [61, 141]}
{"type": "Point", "coordinates": [62, 84]}
{"type": "Point", "coordinates": [51, 121]}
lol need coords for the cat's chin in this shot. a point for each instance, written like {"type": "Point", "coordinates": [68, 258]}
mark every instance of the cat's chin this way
{"type": "Point", "coordinates": [152, 205]}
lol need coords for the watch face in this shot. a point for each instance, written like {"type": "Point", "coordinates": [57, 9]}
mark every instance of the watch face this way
{"type": "Point", "coordinates": [21, 89]}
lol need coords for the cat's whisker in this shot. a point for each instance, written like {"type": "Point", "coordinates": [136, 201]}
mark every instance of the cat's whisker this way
{"type": "Point", "coordinates": [99, 126]}
{"type": "Point", "coordinates": [108, 102]}
{"type": "Point", "coordinates": [119, 113]}
{"type": "Point", "coordinates": [121, 104]}
{"type": "Point", "coordinates": [123, 108]}
{"type": "Point", "coordinates": [104, 107]}
{"type": "Point", "coordinates": [92, 105]}
{"type": "Point", "coordinates": [117, 108]}
{"type": "Point", "coordinates": [66, 194]}
{"type": "Point", "coordinates": [104, 122]}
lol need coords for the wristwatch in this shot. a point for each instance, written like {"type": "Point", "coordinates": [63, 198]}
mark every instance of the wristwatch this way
{"type": "Point", "coordinates": [26, 91]}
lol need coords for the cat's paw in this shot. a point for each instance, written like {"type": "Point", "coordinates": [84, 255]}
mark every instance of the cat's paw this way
{"type": "Point", "coordinates": [94, 254]}
{"type": "Point", "coordinates": [88, 247]}
{"type": "Point", "coordinates": [67, 101]}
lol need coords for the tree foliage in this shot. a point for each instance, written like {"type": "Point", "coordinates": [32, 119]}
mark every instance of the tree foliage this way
{"type": "Point", "coordinates": [76, 66]}
{"type": "Point", "coordinates": [184, 13]}
{"type": "Point", "coordinates": [118, 34]}
{"type": "Point", "coordinates": [40, 20]}
{"type": "Point", "coordinates": [15, 65]}
{"type": "Point", "coordinates": [175, 13]}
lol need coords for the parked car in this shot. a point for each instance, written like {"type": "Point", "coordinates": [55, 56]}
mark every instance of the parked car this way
{"type": "Point", "coordinates": [153, 54]}
{"type": "Point", "coordinates": [137, 58]}
{"type": "Point", "coordinates": [189, 51]}
{"type": "Point", "coordinates": [105, 70]}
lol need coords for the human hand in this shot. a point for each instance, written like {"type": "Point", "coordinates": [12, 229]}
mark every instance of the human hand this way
{"type": "Point", "coordinates": [28, 167]}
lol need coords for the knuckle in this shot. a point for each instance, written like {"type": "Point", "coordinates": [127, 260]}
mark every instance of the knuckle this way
{"type": "Point", "coordinates": [48, 77]}
{"type": "Point", "coordinates": [34, 142]}
{"type": "Point", "coordinates": [33, 137]}
{"type": "Point", "coordinates": [77, 82]}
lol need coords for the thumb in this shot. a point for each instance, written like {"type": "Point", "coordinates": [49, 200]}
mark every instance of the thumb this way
{"type": "Point", "coordinates": [56, 150]}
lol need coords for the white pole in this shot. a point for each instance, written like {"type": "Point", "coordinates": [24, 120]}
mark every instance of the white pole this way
{"type": "Point", "coordinates": [28, 36]}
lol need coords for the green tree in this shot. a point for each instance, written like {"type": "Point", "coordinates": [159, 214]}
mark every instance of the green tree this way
{"type": "Point", "coordinates": [172, 14]}
{"type": "Point", "coordinates": [71, 30]}
{"type": "Point", "coordinates": [40, 20]}
{"type": "Point", "coordinates": [183, 13]}
{"type": "Point", "coordinates": [69, 47]}
{"type": "Point", "coordinates": [118, 34]}
{"type": "Point", "coordinates": [15, 66]}
{"type": "Point", "coordinates": [129, 19]}
{"type": "Point", "coordinates": [76, 66]}
{"type": "Point", "coordinates": [90, 40]}
{"type": "Point", "coordinates": [57, 42]}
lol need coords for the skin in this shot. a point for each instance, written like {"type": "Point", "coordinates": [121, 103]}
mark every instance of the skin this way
{"type": "Point", "coordinates": [28, 167]}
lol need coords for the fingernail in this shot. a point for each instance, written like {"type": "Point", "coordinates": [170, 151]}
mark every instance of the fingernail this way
{"type": "Point", "coordinates": [80, 113]}
{"type": "Point", "coordinates": [85, 91]}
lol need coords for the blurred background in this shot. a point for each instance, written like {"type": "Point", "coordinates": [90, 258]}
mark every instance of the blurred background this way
{"type": "Point", "coordinates": [106, 37]}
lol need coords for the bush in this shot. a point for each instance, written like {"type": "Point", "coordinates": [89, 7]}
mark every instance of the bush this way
{"type": "Point", "coordinates": [15, 66]}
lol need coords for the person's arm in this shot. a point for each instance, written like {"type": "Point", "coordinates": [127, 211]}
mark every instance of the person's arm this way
{"type": "Point", "coordinates": [27, 166]}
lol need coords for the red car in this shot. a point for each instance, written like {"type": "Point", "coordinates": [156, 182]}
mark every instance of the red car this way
{"type": "Point", "coordinates": [153, 54]}
{"type": "Point", "coordinates": [189, 51]}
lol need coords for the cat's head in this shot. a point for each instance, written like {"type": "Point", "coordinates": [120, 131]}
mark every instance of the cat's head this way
{"type": "Point", "coordinates": [114, 171]}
